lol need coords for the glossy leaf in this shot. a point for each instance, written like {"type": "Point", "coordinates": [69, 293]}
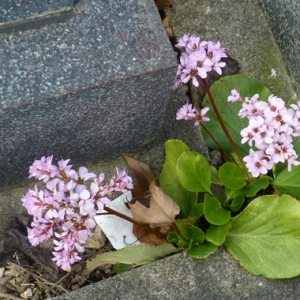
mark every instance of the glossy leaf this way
{"type": "Point", "coordinates": [265, 237]}
{"type": "Point", "coordinates": [202, 250]}
{"type": "Point", "coordinates": [237, 203]}
{"type": "Point", "coordinates": [254, 187]}
{"type": "Point", "coordinates": [169, 180]}
{"type": "Point", "coordinates": [197, 211]}
{"type": "Point", "coordinates": [176, 239]}
{"type": "Point", "coordinates": [230, 194]}
{"type": "Point", "coordinates": [194, 172]}
{"type": "Point", "coordinates": [220, 90]}
{"type": "Point", "coordinates": [231, 176]}
{"type": "Point", "coordinates": [195, 234]}
{"type": "Point", "coordinates": [216, 234]}
{"type": "Point", "coordinates": [288, 182]}
{"type": "Point", "coordinates": [215, 179]}
{"type": "Point", "coordinates": [213, 211]}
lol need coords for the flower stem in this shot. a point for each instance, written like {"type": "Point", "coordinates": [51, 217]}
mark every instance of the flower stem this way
{"type": "Point", "coordinates": [212, 101]}
{"type": "Point", "coordinates": [216, 142]}
{"type": "Point", "coordinates": [142, 225]}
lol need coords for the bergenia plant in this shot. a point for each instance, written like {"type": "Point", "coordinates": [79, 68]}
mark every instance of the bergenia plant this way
{"type": "Point", "coordinates": [256, 214]}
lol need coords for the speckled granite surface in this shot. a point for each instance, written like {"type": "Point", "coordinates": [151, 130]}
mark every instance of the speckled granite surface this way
{"type": "Point", "coordinates": [14, 10]}
{"type": "Point", "coordinates": [284, 18]}
{"type": "Point", "coordinates": [89, 89]}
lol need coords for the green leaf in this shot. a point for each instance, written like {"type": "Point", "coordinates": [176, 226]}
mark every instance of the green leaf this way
{"type": "Point", "coordinates": [213, 211]}
{"type": "Point", "coordinates": [255, 186]}
{"type": "Point", "coordinates": [265, 237]}
{"type": "Point", "coordinates": [215, 179]}
{"type": "Point", "coordinates": [202, 250]}
{"type": "Point", "coordinates": [220, 90]}
{"type": "Point", "coordinates": [231, 176]}
{"type": "Point", "coordinates": [237, 202]}
{"type": "Point", "coordinates": [169, 180]}
{"type": "Point", "coordinates": [121, 268]}
{"type": "Point", "coordinates": [175, 239]}
{"type": "Point", "coordinates": [135, 255]}
{"type": "Point", "coordinates": [288, 182]}
{"type": "Point", "coordinates": [195, 234]}
{"type": "Point", "coordinates": [197, 211]}
{"type": "Point", "coordinates": [230, 194]}
{"type": "Point", "coordinates": [194, 172]}
{"type": "Point", "coordinates": [216, 234]}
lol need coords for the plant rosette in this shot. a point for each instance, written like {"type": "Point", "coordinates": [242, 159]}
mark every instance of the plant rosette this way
{"type": "Point", "coordinates": [257, 214]}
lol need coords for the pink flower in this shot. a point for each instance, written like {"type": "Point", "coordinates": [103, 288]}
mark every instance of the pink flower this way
{"type": "Point", "coordinates": [204, 65]}
{"type": "Point", "coordinates": [197, 59]}
{"type": "Point", "coordinates": [186, 112]}
{"type": "Point", "coordinates": [200, 117]}
{"type": "Point", "coordinates": [255, 163]}
{"type": "Point", "coordinates": [235, 96]}
{"type": "Point", "coordinates": [182, 42]}
{"type": "Point", "coordinates": [67, 207]}
{"type": "Point", "coordinates": [43, 169]}
{"type": "Point", "coordinates": [66, 169]}
{"type": "Point", "coordinates": [41, 231]}
{"type": "Point", "coordinates": [292, 161]}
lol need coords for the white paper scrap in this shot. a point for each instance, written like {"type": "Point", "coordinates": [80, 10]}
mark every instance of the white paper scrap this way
{"type": "Point", "coordinates": [118, 230]}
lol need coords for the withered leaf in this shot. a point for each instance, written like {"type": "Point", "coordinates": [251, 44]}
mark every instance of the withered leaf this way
{"type": "Point", "coordinates": [161, 211]}
{"type": "Point", "coordinates": [197, 94]}
{"type": "Point", "coordinates": [150, 238]}
{"type": "Point", "coordinates": [143, 174]}
{"type": "Point", "coordinates": [162, 4]}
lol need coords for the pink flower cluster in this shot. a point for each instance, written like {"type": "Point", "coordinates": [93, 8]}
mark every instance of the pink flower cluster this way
{"type": "Point", "coordinates": [67, 207]}
{"type": "Point", "coordinates": [188, 112]}
{"type": "Point", "coordinates": [270, 130]}
{"type": "Point", "coordinates": [197, 59]}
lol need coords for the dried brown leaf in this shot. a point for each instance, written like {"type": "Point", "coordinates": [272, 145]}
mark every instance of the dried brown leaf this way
{"type": "Point", "coordinates": [150, 238]}
{"type": "Point", "coordinates": [143, 174]}
{"type": "Point", "coordinates": [166, 22]}
{"type": "Point", "coordinates": [161, 211]}
{"type": "Point", "coordinates": [162, 4]}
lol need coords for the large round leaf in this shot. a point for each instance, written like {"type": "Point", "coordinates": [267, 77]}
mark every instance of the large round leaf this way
{"type": "Point", "coordinates": [265, 237]}
{"type": "Point", "coordinates": [169, 180]}
{"type": "Point", "coordinates": [220, 90]}
{"type": "Point", "coordinates": [194, 172]}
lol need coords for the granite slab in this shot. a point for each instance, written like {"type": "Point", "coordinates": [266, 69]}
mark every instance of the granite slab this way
{"type": "Point", "coordinates": [89, 88]}
{"type": "Point", "coordinates": [15, 10]}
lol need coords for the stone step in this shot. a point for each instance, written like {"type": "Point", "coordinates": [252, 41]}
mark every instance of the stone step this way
{"type": "Point", "coordinates": [91, 87]}
{"type": "Point", "coordinates": [243, 29]}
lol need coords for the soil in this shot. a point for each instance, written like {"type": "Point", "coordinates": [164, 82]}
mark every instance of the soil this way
{"type": "Point", "coordinates": [28, 272]}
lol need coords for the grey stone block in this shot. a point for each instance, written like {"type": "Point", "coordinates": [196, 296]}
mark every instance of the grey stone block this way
{"type": "Point", "coordinates": [14, 10]}
{"type": "Point", "coordinates": [179, 277]}
{"type": "Point", "coordinates": [90, 89]}
{"type": "Point", "coordinates": [284, 18]}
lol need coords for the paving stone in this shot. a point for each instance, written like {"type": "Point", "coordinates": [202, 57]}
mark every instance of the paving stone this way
{"type": "Point", "coordinates": [179, 277]}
